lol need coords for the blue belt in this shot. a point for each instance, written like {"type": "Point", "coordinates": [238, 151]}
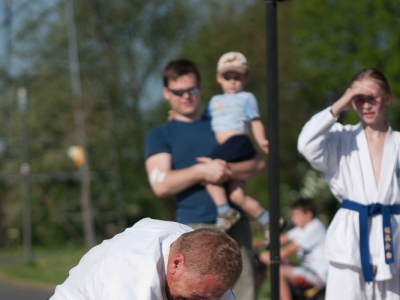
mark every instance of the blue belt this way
{"type": "Point", "coordinates": [364, 211]}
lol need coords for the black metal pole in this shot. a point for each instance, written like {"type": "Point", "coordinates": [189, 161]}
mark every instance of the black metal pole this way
{"type": "Point", "coordinates": [273, 137]}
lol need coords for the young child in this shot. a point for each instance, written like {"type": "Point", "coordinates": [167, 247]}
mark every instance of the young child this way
{"type": "Point", "coordinates": [307, 238]}
{"type": "Point", "coordinates": [362, 167]}
{"type": "Point", "coordinates": [232, 113]}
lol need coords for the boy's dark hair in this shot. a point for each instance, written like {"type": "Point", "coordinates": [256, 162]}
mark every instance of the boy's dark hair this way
{"type": "Point", "coordinates": [305, 204]}
{"type": "Point", "coordinates": [178, 68]}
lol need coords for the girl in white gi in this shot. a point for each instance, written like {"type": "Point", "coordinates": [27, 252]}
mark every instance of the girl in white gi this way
{"type": "Point", "coordinates": [362, 168]}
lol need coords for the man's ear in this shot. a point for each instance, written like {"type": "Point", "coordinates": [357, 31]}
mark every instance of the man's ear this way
{"type": "Point", "coordinates": [166, 93]}
{"type": "Point", "coordinates": [176, 264]}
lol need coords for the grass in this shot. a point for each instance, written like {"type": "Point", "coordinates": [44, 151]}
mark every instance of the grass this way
{"type": "Point", "coordinates": [50, 267]}
{"type": "Point", "coordinates": [265, 290]}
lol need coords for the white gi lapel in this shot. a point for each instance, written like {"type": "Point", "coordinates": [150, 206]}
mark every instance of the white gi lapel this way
{"type": "Point", "coordinates": [388, 167]}
{"type": "Point", "coordinates": [366, 170]}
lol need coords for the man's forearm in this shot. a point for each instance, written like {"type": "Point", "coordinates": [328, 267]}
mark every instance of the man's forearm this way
{"type": "Point", "coordinates": [166, 182]}
{"type": "Point", "coordinates": [248, 169]}
{"type": "Point", "coordinates": [176, 181]}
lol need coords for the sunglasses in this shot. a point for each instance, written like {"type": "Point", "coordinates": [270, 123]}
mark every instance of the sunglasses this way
{"type": "Point", "coordinates": [192, 91]}
{"type": "Point", "coordinates": [236, 77]}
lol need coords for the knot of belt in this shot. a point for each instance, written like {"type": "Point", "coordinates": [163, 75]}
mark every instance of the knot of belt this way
{"type": "Point", "coordinates": [364, 211]}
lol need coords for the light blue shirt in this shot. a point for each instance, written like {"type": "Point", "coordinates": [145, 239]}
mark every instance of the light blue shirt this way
{"type": "Point", "coordinates": [232, 111]}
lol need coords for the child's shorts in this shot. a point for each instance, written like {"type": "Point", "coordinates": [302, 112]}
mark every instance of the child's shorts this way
{"type": "Point", "coordinates": [236, 148]}
{"type": "Point", "coordinates": [307, 277]}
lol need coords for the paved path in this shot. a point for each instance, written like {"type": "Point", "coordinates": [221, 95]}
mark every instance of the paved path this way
{"type": "Point", "coordinates": [10, 290]}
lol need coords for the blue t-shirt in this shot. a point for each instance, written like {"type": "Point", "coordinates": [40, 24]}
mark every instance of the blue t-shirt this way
{"type": "Point", "coordinates": [232, 111]}
{"type": "Point", "coordinates": [185, 141]}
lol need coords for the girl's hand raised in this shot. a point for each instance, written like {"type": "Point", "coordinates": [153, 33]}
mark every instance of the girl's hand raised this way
{"type": "Point", "coordinates": [345, 102]}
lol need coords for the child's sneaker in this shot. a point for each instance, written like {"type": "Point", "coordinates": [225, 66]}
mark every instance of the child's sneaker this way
{"type": "Point", "coordinates": [224, 222]}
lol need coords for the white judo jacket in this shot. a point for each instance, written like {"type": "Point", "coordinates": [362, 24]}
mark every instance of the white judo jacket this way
{"type": "Point", "coordinates": [341, 152]}
{"type": "Point", "coordinates": [130, 266]}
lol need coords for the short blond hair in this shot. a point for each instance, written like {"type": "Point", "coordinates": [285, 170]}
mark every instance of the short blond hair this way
{"type": "Point", "coordinates": [209, 251]}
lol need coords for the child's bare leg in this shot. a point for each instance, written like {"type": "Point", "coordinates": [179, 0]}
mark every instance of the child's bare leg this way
{"type": "Point", "coordinates": [217, 194]}
{"type": "Point", "coordinates": [286, 279]}
{"type": "Point", "coordinates": [227, 216]}
{"type": "Point", "coordinates": [248, 204]}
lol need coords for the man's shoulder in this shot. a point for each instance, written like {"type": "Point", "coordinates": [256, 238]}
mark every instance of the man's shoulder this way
{"type": "Point", "coordinates": [157, 140]}
{"type": "Point", "coordinates": [159, 128]}
{"type": "Point", "coordinates": [167, 136]}
{"type": "Point", "coordinates": [161, 131]}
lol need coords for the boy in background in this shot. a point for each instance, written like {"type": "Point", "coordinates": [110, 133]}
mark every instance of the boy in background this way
{"type": "Point", "coordinates": [232, 113]}
{"type": "Point", "coordinates": [307, 238]}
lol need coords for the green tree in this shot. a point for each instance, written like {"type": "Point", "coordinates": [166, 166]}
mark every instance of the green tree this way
{"type": "Point", "coordinates": [335, 39]}
{"type": "Point", "coordinates": [122, 45]}
{"type": "Point", "coordinates": [332, 41]}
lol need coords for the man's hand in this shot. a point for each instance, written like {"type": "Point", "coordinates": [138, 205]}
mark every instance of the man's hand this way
{"type": "Point", "coordinates": [214, 171]}
{"type": "Point", "coordinates": [171, 115]}
{"type": "Point", "coordinates": [248, 169]}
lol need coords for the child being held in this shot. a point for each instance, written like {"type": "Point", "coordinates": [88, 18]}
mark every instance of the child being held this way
{"type": "Point", "coordinates": [232, 113]}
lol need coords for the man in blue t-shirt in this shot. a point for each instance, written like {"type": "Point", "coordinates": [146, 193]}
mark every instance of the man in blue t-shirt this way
{"type": "Point", "coordinates": [177, 164]}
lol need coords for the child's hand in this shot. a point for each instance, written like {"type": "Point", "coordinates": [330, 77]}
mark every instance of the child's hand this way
{"type": "Point", "coordinates": [264, 146]}
{"type": "Point", "coordinates": [265, 257]}
{"type": "Point", "coordinates": [171, 115]}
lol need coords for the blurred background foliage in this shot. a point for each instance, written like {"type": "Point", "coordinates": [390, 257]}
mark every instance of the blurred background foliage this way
{"type": "Point", "coordinates": [123, 46]}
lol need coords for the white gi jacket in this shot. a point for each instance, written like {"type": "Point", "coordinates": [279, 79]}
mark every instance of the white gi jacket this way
{"type": "Point", "coordinates": [341, 152]}
{"type": "Point", "coordinates": [131, 265]}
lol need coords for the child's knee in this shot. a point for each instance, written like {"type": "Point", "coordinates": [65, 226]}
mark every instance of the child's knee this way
{"type": "Point", "coordinates": [285, 271]}
{"type": "Point", "coordinates": [237, 196]}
